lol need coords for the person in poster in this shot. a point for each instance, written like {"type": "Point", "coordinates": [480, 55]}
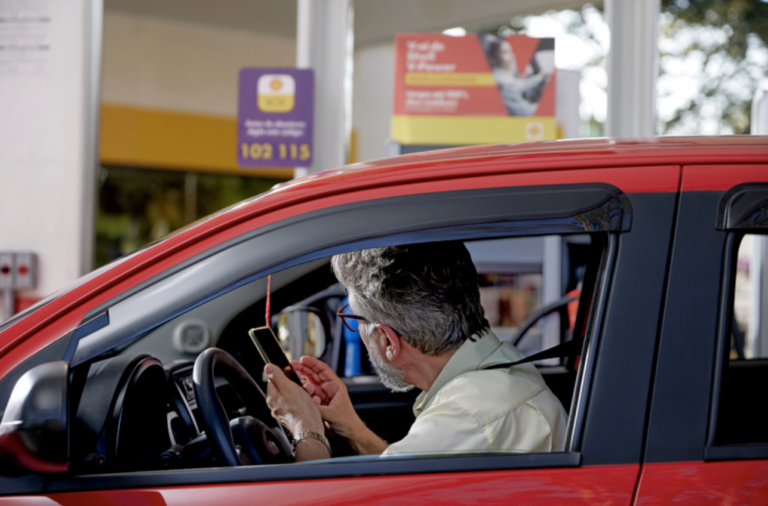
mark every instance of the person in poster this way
{"type": "Point", "coordinates": [520, 93]}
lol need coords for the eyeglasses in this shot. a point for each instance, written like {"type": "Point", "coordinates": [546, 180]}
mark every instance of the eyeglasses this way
{"type": "Point", "coordinates": [341, 314]}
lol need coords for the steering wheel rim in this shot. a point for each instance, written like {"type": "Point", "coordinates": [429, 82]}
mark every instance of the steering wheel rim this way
{"type": "Point", "coordinates": [213, 414]}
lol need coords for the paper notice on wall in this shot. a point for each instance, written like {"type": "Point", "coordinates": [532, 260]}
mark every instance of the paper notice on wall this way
{"type": "Point", "coordinates": [25, 37]}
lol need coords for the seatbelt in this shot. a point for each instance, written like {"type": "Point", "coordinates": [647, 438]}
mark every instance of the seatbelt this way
{"type": "Point", "coordinates": [566, 349]}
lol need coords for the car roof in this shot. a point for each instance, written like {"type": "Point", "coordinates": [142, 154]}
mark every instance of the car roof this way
{"type": "Point", "coordinates": [565, 153]}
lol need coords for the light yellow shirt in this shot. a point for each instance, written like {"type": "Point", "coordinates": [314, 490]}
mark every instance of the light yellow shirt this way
{"type": "Point", "coordinates": [468, 409]}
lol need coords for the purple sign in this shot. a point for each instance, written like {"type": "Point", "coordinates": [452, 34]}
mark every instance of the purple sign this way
{"type": "Point", "coordinates": [275, 117]}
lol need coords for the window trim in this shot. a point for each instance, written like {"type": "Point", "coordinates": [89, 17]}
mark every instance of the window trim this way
{"type": "Point", "coordinates": [586, 370]}
{"type": "Point", "coordinates": [457, 229]}
{"type": "Point", "coordinates": [324, 469]}
{"type": "Point", "coordinates": [494, 212]}
{"type": "Point", "coordinates": [712, 451]}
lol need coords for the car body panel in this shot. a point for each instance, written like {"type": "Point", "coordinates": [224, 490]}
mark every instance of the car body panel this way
{"type": "Point", "coordinates": [721, 177]}
{"type": "Point", "coordinates": [609, 485]}
{"type": "Point", "coordinates": [647, 406]}
{"type": "Point", "coordinates": [710, 483]}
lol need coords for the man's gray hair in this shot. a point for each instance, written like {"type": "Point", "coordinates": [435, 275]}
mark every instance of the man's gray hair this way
{"type": "Point", "coordinates": [426, 292]}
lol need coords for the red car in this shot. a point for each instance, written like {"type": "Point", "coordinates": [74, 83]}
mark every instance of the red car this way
{"type": "Point", "coordinates": [108, 399]}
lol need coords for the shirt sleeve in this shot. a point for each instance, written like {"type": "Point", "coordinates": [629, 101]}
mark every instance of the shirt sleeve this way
{"type": "Point", "coordinates": [444, 426]}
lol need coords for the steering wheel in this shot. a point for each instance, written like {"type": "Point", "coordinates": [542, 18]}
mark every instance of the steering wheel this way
{"type": "Point", "coordinates": [261, 438]}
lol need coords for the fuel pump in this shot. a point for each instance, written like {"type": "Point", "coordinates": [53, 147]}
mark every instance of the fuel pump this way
{"type": "Point", "coordinates": [18, 271]}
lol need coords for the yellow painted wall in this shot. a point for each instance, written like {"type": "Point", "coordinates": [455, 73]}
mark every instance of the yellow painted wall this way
{"type": "Point", "coordinates": [140, 137]}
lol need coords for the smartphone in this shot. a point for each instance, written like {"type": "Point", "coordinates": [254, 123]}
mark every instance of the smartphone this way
{"type": "Point", "coordinates": [271, 351]}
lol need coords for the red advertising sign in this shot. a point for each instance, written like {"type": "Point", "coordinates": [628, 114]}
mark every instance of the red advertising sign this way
{"type": "Point", "coordinates": [474, 89]}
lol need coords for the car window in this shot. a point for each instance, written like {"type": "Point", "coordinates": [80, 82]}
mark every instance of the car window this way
{"type": "Point", "coordinates": [743, 402]}
{"type": "Point", "coordinates": [303, 300]}
{"type": "Point", "coordinates": [275, 274]}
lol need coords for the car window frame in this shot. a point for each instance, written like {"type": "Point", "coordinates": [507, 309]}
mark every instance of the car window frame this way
{"type": "Point", "coordinates": [713, 451]}
{"type": "Point", "coordinates": [579, 208]}
{"type": "Point", "coordinates": [536, 225]}
{"type": "Point", "coordinates": [394, 465]}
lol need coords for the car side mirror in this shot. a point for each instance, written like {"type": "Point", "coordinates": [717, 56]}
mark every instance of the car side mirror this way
{"type": "Point", "coordinates": [33, 431]}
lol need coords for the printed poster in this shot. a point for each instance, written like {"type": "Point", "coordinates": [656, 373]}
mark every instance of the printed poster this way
{"type": "Point", "coordinates": [475, 89]}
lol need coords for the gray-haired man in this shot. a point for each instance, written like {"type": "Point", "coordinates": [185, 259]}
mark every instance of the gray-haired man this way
{"type": "Point", "coordinates": [420, 317]}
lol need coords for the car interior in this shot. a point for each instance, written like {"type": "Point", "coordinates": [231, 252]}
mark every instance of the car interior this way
{"type": "Point", "coordinates": [136, 406]}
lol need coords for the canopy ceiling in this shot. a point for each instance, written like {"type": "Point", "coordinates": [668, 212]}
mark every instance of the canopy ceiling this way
{"type": "Point", "coordinates": [375, 20]}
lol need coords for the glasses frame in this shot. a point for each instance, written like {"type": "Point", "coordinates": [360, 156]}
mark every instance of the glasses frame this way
{"type": "Point", "coordinates": [341, 314]}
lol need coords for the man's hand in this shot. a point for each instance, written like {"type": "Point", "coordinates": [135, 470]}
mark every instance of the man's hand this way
{"type": "Point", "coordinates": [332, 399]}
{"type": "Point", "coordinates": [290, 404]}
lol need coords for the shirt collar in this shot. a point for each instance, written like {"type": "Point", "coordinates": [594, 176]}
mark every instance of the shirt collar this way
{"type": "Point", "coordinates": [471, 356]}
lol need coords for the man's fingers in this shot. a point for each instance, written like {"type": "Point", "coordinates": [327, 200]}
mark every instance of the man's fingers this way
{"type": "Point", "coordinates": [318, 367]}
{"type": "Point", "coordinates": [308, 373]}
{"type": "Point", "coordinates": [276, 377]}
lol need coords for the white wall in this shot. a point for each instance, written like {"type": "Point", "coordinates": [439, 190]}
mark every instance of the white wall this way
{"type": "Point", "coordinates": [43, 146]}
{"type": "Point", "coordinates": [182, 66]}
{"type": "Point", "coordinates": [374, 87]}
{"type": "Point", "coordinates": [44, 153]}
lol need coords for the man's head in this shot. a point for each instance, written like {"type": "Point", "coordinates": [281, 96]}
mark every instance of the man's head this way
{"type": "Point", "coordinates": [427, 293]}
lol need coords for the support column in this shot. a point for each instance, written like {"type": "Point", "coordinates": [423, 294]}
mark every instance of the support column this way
{"type": "Point", "coordinates": [757, 336]}
{"type": "Point", "coordinates": [633, 67]}
{"type": "Point", "coordinates": [49, 98]}
{"type": "Point", "coordinates": [324, 43]}
{"type": "Point", "coordinates": [551, 291]}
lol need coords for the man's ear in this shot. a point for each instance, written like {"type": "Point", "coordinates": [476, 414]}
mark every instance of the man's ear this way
{"type": "Point", "coordinates": [393, 341]}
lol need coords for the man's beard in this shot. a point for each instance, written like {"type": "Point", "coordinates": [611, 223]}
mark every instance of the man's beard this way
{"type": "Point", "coordinates": [390, 376]}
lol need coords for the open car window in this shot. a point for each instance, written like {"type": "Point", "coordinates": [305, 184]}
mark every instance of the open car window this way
{"type": "Point", "coordinates": [132, 357]}
{"type": "Point", "coordinates": [303, 301]}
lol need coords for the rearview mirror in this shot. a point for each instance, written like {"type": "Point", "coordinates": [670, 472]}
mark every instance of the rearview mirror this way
{"type": "Point", "coordinates": [33, 432]}
{"type": "Point", "coordinates": [301, 332]}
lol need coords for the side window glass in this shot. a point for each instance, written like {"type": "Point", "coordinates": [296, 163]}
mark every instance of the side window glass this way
{"type": "Point", "coordinates": [749, 340]}
{"type": "Point", "coordinates": [743, 400]}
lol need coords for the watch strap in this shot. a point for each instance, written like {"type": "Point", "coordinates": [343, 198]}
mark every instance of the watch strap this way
{"type": "Point", "coordinates": [310, 434]}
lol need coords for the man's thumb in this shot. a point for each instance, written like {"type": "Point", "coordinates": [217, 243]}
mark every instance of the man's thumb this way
{"type": "Point", "coordinates": [326, 412]}
{"type": "Point", "coordinates": [275, 376]}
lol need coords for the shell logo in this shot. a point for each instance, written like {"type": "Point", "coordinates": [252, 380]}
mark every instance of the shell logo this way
{"type": "Point", "coordinates": [534, 131]}
{"type": "Point", "coordinates": [276, 93]}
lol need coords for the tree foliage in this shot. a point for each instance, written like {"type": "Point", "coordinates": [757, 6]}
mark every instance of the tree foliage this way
{"type": "Point", "coordinates": [713, 58]}
{"type": "Point", "coordinates": [726, 41]}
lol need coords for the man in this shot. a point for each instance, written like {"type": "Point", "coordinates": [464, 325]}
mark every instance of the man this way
{"type": "Point", "coordinates": [419, 313]}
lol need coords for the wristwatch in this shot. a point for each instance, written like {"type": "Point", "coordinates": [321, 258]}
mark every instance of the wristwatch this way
{"type": "Point", "coordinates": [310, 434]}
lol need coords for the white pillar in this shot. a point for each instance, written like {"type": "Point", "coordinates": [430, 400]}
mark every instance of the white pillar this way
{"type": "Point", "coordinates": [757, 336]}
{"type": "Point", "coordinates": [551, 290]}
{"type": "Point", "coordinates": [372, 103]}
{"type": "Point", "coordinates": [568, 99]}
{"type": "Point", "coordinates": [49, 98]}
{"type": "Point", "coordinates": [759, 122]}
{"type": "Point", "coordinates": [633, 67]}
{"type": "Point", "coordinates": [324, 43]}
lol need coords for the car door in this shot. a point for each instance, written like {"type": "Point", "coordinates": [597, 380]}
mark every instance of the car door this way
{"type": "Point", "coordinates": [627, 211]}
{"type": "Point", "coordinates": [708, 427]}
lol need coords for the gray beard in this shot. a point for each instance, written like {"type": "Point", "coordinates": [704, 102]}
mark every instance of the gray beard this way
{"type": "Point", "coordinates": [391, 377]}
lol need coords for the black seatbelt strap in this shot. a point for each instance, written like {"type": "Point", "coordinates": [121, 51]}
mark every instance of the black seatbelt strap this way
{"type": "Point", "coordinates": [566, 349]}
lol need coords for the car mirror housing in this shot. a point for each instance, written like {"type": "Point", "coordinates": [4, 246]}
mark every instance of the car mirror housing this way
{"type": "Point", "coordinates": [33, 431]}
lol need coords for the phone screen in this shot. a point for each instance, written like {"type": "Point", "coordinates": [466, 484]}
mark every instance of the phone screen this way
{"type": "Point", "coordinates": [271, 351]}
